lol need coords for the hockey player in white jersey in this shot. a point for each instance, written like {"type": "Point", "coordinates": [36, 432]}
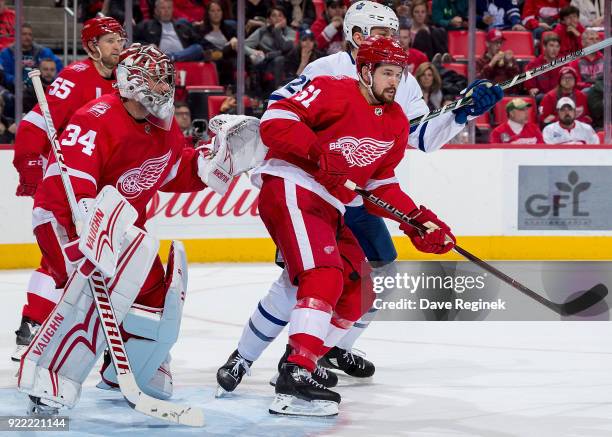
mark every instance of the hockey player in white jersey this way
{"type": "Point", "coordinates": [363, 19]}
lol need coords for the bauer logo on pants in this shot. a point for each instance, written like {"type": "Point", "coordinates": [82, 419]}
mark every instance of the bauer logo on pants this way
{"type": "Point", "coordinates": [564, 198]}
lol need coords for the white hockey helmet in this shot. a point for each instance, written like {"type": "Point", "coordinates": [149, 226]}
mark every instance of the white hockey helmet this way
{"type": "Point", "coordinates": [365, 15]}
{"type": "Point", "coordinates": [141, 68]}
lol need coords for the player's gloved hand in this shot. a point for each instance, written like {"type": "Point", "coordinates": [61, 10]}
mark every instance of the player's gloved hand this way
{"type": "Point", "coordinates": [484, 96]}
{"type": "Point", "coordinates": [30, 170]}
{"type": "Point", "coordinates": [433, 241]}
{"type": "Point", "coordinates": [333, 169]}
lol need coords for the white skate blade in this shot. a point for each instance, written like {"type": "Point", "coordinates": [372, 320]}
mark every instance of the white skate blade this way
{"type": "Point", "coordinates": [104, 386]}
{"type": "Point", "coordinates": [19, 351]}
{"type": "Point", "coordinates": [221, 392]}
{"type": "Point", "coordinates": [291, 406]}
{"type": "Point", "coordinates": [274, 379]}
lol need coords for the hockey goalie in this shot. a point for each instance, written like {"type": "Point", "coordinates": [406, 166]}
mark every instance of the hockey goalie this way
{"type": "Point", "coordinates": [119, 150]}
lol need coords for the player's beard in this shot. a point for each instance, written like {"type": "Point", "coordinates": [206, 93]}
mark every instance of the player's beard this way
{"type": "Point", "coordinates": [387, 95]}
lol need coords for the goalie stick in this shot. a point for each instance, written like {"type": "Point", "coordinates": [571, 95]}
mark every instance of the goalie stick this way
{"type": "Point", "coordinates": [587, 299]}
{"type": "Point", "coordinates": [135, 397]}
{"type": "Point", "coordinates": [519, 78]}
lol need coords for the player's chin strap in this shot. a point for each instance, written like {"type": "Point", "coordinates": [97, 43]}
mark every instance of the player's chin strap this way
{"type": "Point", "coordinates": [368, 86]}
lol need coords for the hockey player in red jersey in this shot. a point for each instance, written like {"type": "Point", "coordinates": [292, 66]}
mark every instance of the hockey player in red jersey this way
{"type": "Point", "coordinates": [130, 141]}
{"type": "Point", "coordinates": [334, 130]}
{"type": "Point", "coordinates": [103, 39]}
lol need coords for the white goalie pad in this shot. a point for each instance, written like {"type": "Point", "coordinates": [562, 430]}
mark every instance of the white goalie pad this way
{"type": "Point", "coordinates": [153, 331]}
{"type": "Point", "coordinates": [70, 341]}
{"type": "Point", "coordinates": [236, 148]}
{"type": "Point", "coordinates": [108, 219]}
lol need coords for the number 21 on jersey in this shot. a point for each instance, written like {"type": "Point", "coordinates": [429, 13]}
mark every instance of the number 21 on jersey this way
{"type": "Point", "coordinates": [308, 95]}
{"type": "Point", "coordinates": [73, 136]}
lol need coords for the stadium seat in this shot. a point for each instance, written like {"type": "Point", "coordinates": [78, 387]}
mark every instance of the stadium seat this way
{"type": "Point", "coordinates": [521, 43]}
{"type": "Point", "coordinates": [196, 73]}
{"type": "Point", "coordinates": [484, 121]}
{"type": "Point", "coordinates": [214, 104]}
{"type": "Point", "coordinates": [499, 112]}
{"type": "Point", "coordinates": [602, 136]}
{"type": "Point", "coordinates": [458, 68]}
{"type": "Point", "coordinates": [458, 44]}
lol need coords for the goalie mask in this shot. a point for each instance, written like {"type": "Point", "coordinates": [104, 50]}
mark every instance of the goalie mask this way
{"type": "Point", "coordinates": [146, 75]}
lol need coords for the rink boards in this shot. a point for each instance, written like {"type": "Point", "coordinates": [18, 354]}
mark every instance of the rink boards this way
{"type": "Point", "coordinates": [502, 203]}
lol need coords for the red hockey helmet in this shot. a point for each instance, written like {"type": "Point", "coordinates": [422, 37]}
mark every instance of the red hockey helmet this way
{"type": "Point", "coordinates": [381, 50]}
{"type": "Point", "coordinates": [94, 28]}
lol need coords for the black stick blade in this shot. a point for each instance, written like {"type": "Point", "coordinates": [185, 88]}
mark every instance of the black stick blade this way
{"type": "Point", "coordinates": [585, 300]}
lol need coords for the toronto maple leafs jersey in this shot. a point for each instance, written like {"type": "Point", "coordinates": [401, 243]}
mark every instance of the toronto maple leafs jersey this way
{"type": "Point", "coordinates": [332, 114]}
{"type": "Point", "coordinates": [428, 137]}
{"type": "Point", "coordinates": [103, 145]}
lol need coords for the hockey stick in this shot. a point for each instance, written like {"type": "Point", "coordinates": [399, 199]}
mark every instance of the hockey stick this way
{"type": "Point", "coordinates": [519, 78]}
{"type": "Point", "coordinates": [587, 299]}
{"type": "Point", "coordinates": [135, 397]}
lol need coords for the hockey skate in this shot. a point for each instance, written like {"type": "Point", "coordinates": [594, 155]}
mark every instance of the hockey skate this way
{"type": "Point", "coordinates": [26, 332]}
{"type": "Point", "coordinates": [349, 362]}
{"type": "Point", "coordinates": [230, 374]}
{"type": "Point", "coordinates": [323, 376]}
{"type": "Point", "coordinates": [39, 407]}
{"type": "Point", "coordinates": [298, 394]}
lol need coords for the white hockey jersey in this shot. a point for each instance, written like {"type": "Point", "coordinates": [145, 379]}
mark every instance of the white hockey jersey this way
{"type": "Point", "coordinates": [428, 137]}
{"type": "Point", "coordinates": [581, 133]}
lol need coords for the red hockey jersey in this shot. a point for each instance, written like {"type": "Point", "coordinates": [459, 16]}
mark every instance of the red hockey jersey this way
{"type": "Point", "coordinates": [103, 145]}
{"type": "Point", "coordinates": [76, 85]}
{"type": "Point", "coordinates": [332, 112]}
{"type": "Point", "coordinates": [529, 134]}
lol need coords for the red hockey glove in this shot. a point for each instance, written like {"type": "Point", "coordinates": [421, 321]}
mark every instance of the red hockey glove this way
{"type": "Point", "coordinates": [434, 241]}
{"type": "Point", "coordinates": [333, 169]}
{"type": "Point", "coordinates": [30, 170]}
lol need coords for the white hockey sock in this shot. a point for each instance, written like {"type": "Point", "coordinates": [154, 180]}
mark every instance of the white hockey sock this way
{"type": "Point", "coordinates": [269, 318]}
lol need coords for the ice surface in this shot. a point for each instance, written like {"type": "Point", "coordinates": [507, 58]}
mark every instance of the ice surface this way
{"type": "Point", "coordinates": [433, 378]}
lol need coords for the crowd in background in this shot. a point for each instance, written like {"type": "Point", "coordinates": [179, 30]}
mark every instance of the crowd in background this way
{"type": "Point", "coordinates": [283, 36]}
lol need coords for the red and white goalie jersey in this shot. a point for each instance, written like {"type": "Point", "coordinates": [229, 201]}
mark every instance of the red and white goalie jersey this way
{"type": "Point", "coordinates": [332, 112]}
{"type": "Point", "coordinates": [76, 85]}
{"type": "Point", "coordinates": [103, 145]}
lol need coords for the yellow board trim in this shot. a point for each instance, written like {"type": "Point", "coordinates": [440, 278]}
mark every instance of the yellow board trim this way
{"type": "Point", "coordinates": [18, 256]}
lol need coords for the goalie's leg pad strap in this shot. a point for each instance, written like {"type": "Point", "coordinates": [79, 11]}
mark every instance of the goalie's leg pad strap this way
{"type": "Point", "coordinates": [152, 332]}
{"type": "Point", "coordinates": [71, 339]}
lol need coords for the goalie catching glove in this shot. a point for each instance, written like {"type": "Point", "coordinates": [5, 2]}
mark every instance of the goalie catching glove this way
{"type": "Point", "coordinates": [439, 239]}
{"type": "Point", "coordinates": [236, 148]}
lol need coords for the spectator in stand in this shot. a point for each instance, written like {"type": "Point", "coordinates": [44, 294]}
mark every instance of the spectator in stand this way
{"type": "Point", "coordinates": [569, 30]}
{"type": "Point", "coordinates": [591, 12]}
{"type": "Point", "coordinates": [500, 14]}
{"type": "Point", "coordinates": [595, 101]}
{"type": "Point", "coordinates": [255, 13]}
{"type": "Point", "coordinates": [450, 14]}
{"type": "Point", "coordinates": [541, 15]}
{"type": "Point", "coordinates": [48, 72]}
{"type": "Point", "coordinates": [567, 88]}
{"type": "Point", "coordinates": [302, 54]}
{"type": "Point", "coordinates": [428, 39]}
{"type": "Point", "coordinates": [33, 53]}
{"type": "Point", "coordinates": [7, 126]}
{"type": "Point", "coordinates": [568, 130]}
{"type": "Point", "coordinates": [517, 129]}
{"type": "Point", "coordinates": [183, 117]}
{"type": "Point", "coordinates": [7, 25]}
{"type": "Point", "coordinates": [221, 38]}
{"type": "Point", "coordinates": [496, 65]}
{"type": "Point", "coordinates": [177, 39]}
{"type": "Point", "coordinates": [301, 13]}
{"type": "Point", "coordinates": [591, 67]}
{"type": "Point", "coordinates": [267, 48]}
{"type": "Point", "coordinates": [540, 85]}
{"type": "Point", "coordinates": [328, 29]}
{"type": "Point", "coordinates": [431, 85]}
{"type": "Point", "coordinates": [415, 56]}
